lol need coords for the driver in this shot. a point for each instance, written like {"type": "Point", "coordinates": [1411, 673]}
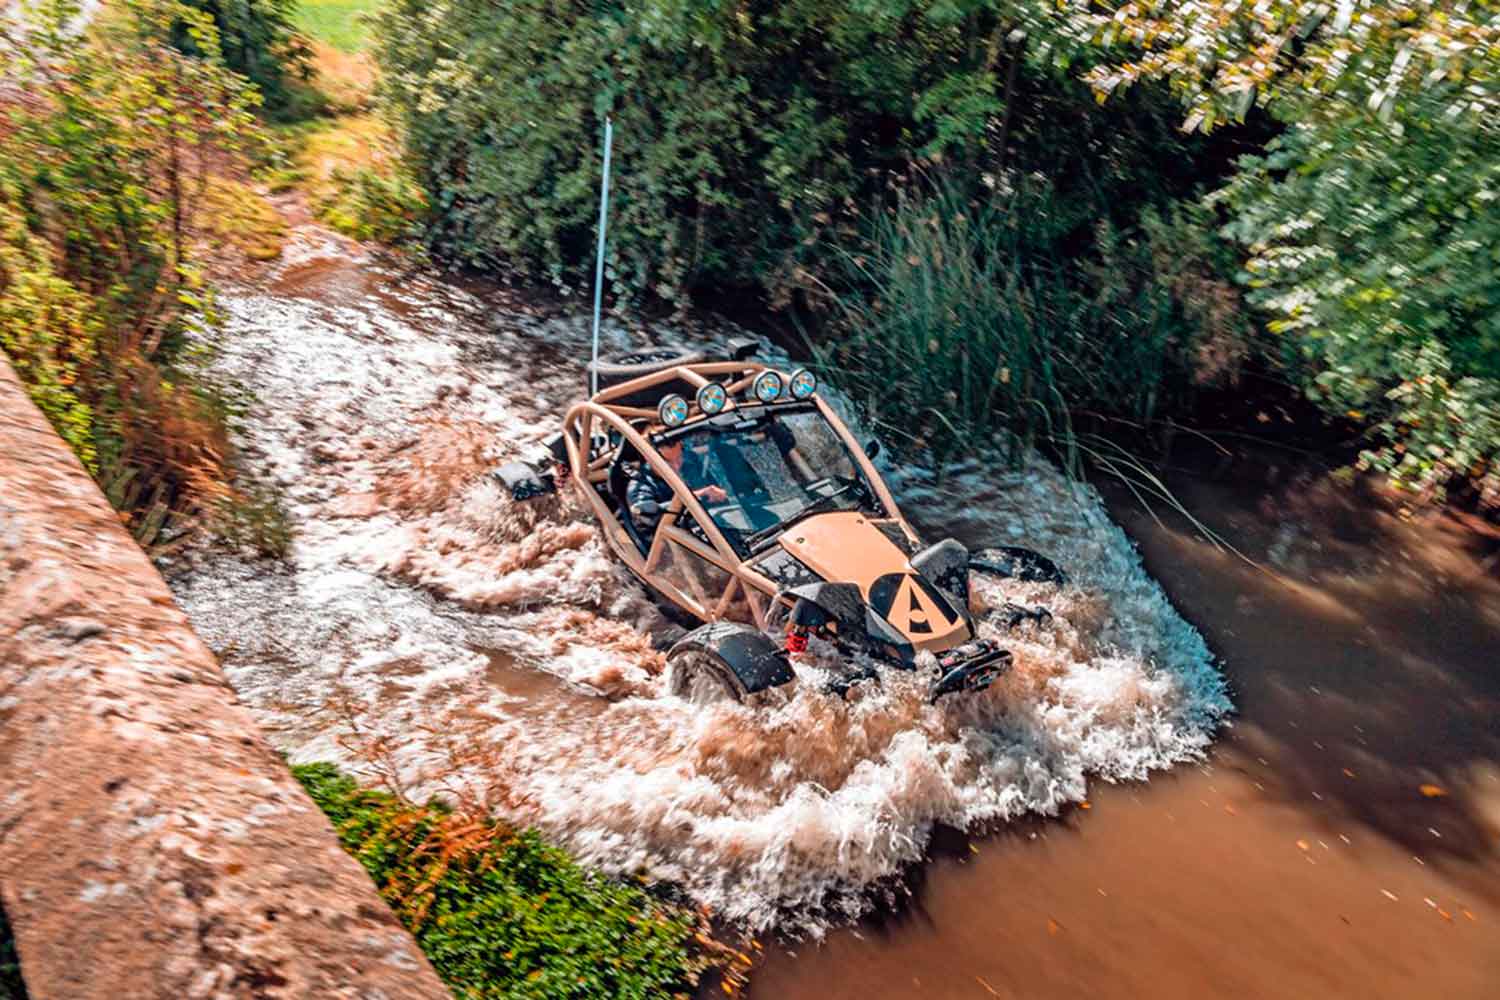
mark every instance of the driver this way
{"type": "Point", "coordinates": [648, 486]}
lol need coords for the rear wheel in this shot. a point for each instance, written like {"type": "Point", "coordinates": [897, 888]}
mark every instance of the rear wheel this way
{"type": "Point", "coordinates": [702, 677]}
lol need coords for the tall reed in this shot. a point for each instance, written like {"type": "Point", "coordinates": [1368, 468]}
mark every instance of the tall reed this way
{"type": "Point", "coordinates": [969, 323]}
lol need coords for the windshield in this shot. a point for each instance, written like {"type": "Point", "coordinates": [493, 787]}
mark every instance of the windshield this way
{"type": "Point", "coordinates": [755, 473]}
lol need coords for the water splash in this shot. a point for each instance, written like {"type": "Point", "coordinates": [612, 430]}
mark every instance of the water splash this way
{"type": "Point", "coordinates": [426, 625]}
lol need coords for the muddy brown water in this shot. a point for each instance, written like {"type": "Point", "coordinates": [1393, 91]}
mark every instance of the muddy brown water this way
{"type": "Point", "coordinates": [1341, 840]}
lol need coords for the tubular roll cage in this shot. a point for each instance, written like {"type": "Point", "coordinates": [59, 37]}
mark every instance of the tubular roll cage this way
{"type": "Point", "coordinates": [590, 469]}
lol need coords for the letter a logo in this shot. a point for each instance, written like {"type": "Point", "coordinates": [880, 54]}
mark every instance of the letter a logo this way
{"type": "Point", "coordinates": [914, 611]}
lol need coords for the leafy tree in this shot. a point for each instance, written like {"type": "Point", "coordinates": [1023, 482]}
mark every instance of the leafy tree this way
{"type": "Point", "coordinates": [1324, 59]}
{"type": "Point", "coordinates": [1370, 225]}
{"type": "Point", "coordinates": [1373, 251]}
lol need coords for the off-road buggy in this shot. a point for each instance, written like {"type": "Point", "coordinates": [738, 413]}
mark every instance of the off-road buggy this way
{"type": "Point", "coordinates": [766, 521]}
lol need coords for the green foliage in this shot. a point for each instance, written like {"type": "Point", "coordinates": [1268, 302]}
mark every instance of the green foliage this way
{"type": "Point", "coordinates": [258, 40]}
{"type": "Point", "coordinates": [367, 203]}
{"type": "Point", "coordinates": [1373, 250]}
{"type": "Point", "coordinates": [109, 134]}
{"type": "Point", "coordinates": [11, 985]}
{"type": "Point", "coordinates": [1223, 57]}
{"type": "Point", "coordinates": [1369, 227]}
{"type": "Point", "coordinates": [742, 132]}
{"type": "Point", "coordinates": [48, 328]}
{"type": "Point", "coordinates": [966, 322]}
{"type": "Point", "coordinates": [504, 914]}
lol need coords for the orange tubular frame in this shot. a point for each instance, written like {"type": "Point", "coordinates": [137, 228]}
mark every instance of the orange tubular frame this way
{"type": "Point", "coordinates": [587, 469]}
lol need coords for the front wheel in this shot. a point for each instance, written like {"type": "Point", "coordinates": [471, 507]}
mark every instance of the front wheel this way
{"type": "Point", "coordinates": [701, 677]}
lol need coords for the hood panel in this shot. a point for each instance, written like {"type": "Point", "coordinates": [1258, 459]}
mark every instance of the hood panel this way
{"type": "Point", "coordinates": [845, 547]}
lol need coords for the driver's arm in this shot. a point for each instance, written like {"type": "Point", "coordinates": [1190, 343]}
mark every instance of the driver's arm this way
{"type": "Point", "coordinates": [800, 465]}
{"type": "Point", "coordinates": [642, 488]}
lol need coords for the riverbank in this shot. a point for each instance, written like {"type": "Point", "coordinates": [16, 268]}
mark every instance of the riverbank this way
{"type": "Point", "coordinates": [1340, 841]}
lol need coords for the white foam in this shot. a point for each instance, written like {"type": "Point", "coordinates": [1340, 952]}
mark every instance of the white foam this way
{"type": "Point", "coordinates": [405, 574]}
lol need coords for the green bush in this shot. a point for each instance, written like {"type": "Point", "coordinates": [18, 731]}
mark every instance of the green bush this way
{"type": "Point", "coordinates": [373, 204]}
{"type": "Point", "coordinates": [258, 40]}
{"type": "Point", "coordinates": [504, 914]}
{"type": "Point", "coordinates": [1374, 252]}
{"type": "Point", "coordinates": [102, 174]}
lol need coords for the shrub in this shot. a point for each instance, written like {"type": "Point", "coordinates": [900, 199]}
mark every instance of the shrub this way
{"type": "Point", "coordinates": [501, 913]}
{"type": "Point", "coordinates": [256, 39]}
{"type": "Point", "coordinates": [1372, 253]}
{"type": "Point", "coordinates": [110, 135]}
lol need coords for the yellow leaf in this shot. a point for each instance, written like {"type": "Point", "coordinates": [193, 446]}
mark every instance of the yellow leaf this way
{"type": "Point", "coordinates": [1433, 792]}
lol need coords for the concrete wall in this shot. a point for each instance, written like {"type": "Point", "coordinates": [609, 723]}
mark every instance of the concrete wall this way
{"type": "Point", "coordinates": [151, 844]}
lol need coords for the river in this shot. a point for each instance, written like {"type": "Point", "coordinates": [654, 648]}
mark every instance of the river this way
{"type": "Point", "coordinates": [426, 634]}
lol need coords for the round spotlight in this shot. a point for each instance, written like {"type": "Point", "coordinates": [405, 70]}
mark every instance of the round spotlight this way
{"type": "Point", "coordinates": [712, 398]}
{"type": "Point", "coordinates": [767, 386]}
{"type": "Point", "coordinates": [672, 410]}
{"type": "Point", "coordinates": [803, 384]}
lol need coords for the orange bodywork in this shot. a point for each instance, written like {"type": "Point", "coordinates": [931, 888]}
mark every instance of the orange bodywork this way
{"type": "Point", "coordinates": [845, 546]}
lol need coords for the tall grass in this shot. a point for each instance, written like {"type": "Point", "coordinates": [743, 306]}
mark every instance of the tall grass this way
{"type": "Point", "coordinates": [968, 323]}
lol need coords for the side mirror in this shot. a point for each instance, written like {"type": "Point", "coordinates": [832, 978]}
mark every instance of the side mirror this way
{"type": "Point", "coordinates": [872, 448]}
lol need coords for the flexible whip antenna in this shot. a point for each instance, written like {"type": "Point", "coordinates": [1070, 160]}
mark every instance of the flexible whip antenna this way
{"type": "Point", "coordinates": [609, 132]}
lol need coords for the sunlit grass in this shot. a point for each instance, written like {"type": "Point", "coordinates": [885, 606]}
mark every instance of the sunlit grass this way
{"type": "Point", "coordinates": [336, 22]}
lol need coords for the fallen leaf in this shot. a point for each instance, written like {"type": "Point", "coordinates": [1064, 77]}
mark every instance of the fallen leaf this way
{"type": "Point", "coordinates": [1304, 845]}
{"type": "Point", "coordinates": [1348, 773]}
{"type": "Point", "coordinates": [1230, 810]}
{"type": "Point", "coordinates": [1388, 894]}
{"type": "Point", "coordinates": [1085, 804]}
{"type": "Point", "coordinates": [1433, 791]}
{"type": "Point", "coordinates": [1445, 914]}
{"type": "Point", "coordinates": [1053, 926]}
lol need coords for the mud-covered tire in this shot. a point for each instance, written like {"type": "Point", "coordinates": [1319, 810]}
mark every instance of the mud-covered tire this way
{"type": "Point", "coordinates": [701, 677]}
{"type": "Point", "coordinates": [740, 659]}
{"type": "Point", "coordinates": [619, 368]}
